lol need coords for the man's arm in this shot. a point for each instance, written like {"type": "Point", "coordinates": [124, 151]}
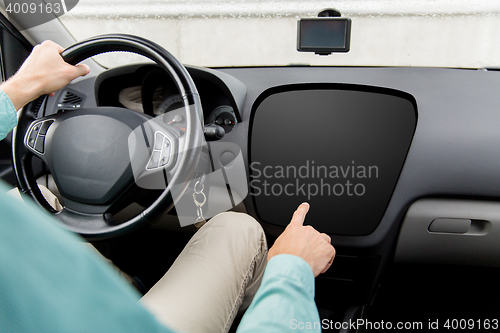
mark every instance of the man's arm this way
{"type": "Point", "coordinates": [43, 72]}
{"type": "Point", "coordinates": [285, 300]}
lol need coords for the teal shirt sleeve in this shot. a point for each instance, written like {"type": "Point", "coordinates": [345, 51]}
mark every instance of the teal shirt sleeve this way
{"type": "Point", "coordinates": [285, 299]}
{"type": "Point", "coordinates": [8, 115]}
{"type": "Point", "coordinates": [51, 282]}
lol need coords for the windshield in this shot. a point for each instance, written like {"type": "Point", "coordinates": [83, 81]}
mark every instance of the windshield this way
{"type": "Point", "coordinates": [215, 33]}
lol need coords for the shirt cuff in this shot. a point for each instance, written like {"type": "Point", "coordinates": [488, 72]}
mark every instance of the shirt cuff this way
{"type": "Point", "coordinates": [292, 267]}
{"type": "Point", "coordinates": [8, 115]}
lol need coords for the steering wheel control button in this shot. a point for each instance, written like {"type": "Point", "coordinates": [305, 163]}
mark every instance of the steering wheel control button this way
{"type": "Point", "coordinates": [32, 138]}
{"type": "Point", "coordinates": [154, 160]}
{"type": "Point", "coordinates": [165, 156]}
{"type": "Point", "coordinates": [45, 127]}
{"type": "Point", "coordinates": [158, 140]}
{"type": "Point", "coordinates": [450, 226]}
{"type": "Point", "coordinates": [40, 142]}
{"type": "Point", "coordinates": [161, 152]}
{"type": "Point", "coordinates": [36, 138]}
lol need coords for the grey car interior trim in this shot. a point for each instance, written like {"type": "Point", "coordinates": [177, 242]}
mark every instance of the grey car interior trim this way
{"type": "Point", "coordinates": [476, 245]}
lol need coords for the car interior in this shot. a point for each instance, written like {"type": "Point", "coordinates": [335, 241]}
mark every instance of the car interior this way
{"type": "Point", "coordinates": [400, 164]}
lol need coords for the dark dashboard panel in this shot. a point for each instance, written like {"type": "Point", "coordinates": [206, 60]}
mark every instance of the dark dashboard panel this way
{"type": "Point", "coordinates": [339, 147]}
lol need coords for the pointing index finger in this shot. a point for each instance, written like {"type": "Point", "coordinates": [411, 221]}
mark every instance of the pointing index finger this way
{"type": "Point", "coordinates": [300, 214]}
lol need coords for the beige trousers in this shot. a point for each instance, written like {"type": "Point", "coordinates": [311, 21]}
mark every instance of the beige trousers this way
{"type": "Point", "coordinates": [216, 275]}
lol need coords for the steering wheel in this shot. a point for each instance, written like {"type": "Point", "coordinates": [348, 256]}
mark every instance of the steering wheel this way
{"type": "Point", "coordinates": [88, 151]}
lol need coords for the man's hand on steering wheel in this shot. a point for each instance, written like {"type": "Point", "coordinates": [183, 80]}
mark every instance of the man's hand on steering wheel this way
{"type": "Point", "coordinates": [43, 72]}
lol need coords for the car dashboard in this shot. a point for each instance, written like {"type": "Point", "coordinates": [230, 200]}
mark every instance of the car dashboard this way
{"type": "Point", "coordinates": [424, 145]}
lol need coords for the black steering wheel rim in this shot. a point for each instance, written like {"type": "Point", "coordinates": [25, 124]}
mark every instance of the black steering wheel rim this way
{"type": "Point", "coordinates": [96, 227]}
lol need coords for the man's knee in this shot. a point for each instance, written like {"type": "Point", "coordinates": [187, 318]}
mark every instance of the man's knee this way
{"type": "Point", "coordinates": [237, 223]}
{"type": "Point", "coordinates": [239, 229]}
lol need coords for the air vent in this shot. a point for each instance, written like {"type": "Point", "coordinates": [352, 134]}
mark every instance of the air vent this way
{"type": "Point", "coordinates": [70, 100]}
